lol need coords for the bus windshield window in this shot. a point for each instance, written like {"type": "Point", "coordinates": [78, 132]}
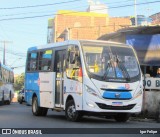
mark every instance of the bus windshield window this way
{"type": "Point", "coordinates": [111, 62]}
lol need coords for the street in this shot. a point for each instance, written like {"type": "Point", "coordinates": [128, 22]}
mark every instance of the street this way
{"type": "Point", "coordinates": [20, 116]}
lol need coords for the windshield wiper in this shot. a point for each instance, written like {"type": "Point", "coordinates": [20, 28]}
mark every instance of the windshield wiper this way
{"type": "Point", "coordinates": [109, 65]}
{"type": "Point", "coordinates": [123, 68]}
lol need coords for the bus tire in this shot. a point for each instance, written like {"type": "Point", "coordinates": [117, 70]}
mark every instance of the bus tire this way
{"type": "Point", "coordinates": [20, 102]}
{"type": "Point", "coordinates": [3, 99]}
{"type": "Point", "coordinates": [71, 113]}
{"type": "Point", "coordinates": [121, 117]}
{"type": "Point", "coordinates": [44, 111]}
{"type": "Point", "coordinates": [10, 98]}
{"type": "Point", "coordinates": [36, 110]}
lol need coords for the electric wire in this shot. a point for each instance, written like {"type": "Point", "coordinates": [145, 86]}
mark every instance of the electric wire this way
{"type": "Point", "coordinates": [47, 15]}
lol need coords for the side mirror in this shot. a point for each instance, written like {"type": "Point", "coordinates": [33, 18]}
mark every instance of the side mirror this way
{"type": "Point", "coordinates": [68, 55]}
{"type": "Point", "coordinates": [72, 57]}
{"type": "Point", "coordinates": [77, 54]}
{"type": "Point", "coordinates": [73, 54]}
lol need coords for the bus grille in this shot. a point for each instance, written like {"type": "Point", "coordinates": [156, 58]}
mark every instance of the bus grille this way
{"type": "Point", "coordinates": [104, 106]}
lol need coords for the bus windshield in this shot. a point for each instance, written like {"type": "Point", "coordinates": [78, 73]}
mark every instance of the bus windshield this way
{"type": "Point", "coordinates": [111, 63]}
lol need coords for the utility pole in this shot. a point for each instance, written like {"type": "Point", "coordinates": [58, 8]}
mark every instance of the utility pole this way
{"type": "Point", "coordinates": [4, 50]}
{"type": "Point", "coordinates": [135, 11]}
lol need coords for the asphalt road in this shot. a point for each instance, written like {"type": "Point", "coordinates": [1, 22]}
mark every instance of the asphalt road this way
{"type": "Point", "coordinates": [20, 116]}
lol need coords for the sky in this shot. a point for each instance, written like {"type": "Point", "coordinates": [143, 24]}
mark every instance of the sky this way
{"type": "Point", "coordinates": [24, 33]}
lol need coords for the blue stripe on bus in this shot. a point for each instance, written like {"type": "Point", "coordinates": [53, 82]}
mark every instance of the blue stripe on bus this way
{"type": "Point", "coordinates": [47, 56]}
{"type": "Point", "coordinates": [113, 95]}
{"type": "Point", "coordinates": [32, 86]}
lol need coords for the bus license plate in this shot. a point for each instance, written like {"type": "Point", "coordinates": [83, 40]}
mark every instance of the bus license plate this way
{"type": "Point", "coordinates": [117, 103]}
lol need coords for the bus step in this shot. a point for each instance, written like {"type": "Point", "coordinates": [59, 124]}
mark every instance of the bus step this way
{"type": "Point", "coordinates": [58, 109]}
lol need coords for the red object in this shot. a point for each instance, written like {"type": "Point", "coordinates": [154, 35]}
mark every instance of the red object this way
{"type": "Point", "coordinates": [38, 82]}
{"type": "Point", "coordinates": [127, 86]}
{"type": "Point", "coordinates": [80, 72]}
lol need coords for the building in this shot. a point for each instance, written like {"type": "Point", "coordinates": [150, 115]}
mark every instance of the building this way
{"type": "Point", "coordinates": [116, 23]}
{"type": "Point", "coordinates": [83, 25]}
{"type": "Point", "coordinates": [141, 20]}
{"type": "Point", "coordinates": [77, 25]}
{"type": "Point", "coordinates": [155, 18]}
{"type": "Point", "coordinates": [50, 30]}
{"type": "Point", "coordinates": [97, 7]}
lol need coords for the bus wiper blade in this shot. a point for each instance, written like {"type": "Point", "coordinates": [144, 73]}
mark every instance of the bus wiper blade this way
{"type": "Point", "coordinates": [107, 69]}
{"type": "Point", "coordinates": [123, 69]}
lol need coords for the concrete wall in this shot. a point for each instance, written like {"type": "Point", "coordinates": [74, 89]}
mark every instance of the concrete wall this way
{"type": "Point", "coordinates": [151, 102]}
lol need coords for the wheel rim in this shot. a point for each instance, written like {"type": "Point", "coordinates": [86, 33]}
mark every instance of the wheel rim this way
{"type": "Point", "coordinates": [71, 111]}
{"type": "Point", "coordinates": [34, 105]}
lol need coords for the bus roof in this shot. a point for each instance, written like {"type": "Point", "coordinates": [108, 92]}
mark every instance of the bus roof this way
{"type": "Point", "coordinates": [7, 68]}
{"type": "Point", "coordinates": [59, 44]}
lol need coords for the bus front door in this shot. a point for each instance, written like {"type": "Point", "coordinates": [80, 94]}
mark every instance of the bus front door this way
{"type": "Point", "coordinates": [60, 56]}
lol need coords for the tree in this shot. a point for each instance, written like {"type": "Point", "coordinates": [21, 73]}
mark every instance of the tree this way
{"type": "Point", "coordinates": [19, 82]}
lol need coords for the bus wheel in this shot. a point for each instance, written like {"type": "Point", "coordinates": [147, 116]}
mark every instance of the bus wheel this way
{"type": "Point", "coordinates": [44, 111]}
{"type": "Point", "coordinates": [71, 113]}
{"type": "Point", "coordinates": [121, 117]}
{"type": "Point", "coordinates": [1, 102]}
{"type": "Point", "coordinates": [3, 98]}
{"type": "Point", "coordinates": [36, 110]}
{"type": "Point", "coordinates": [20, 102]}
{"type": "Point", "coordinates": [9, 101]}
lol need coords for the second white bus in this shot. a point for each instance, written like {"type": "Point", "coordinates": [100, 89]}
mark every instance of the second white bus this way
{"type": "Point", "coordinates": [6, 84]}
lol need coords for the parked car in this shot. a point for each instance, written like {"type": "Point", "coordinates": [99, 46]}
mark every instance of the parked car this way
{"type": "Point", "coordinates": [21, 96]}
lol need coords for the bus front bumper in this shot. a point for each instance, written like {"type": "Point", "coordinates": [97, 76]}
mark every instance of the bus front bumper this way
{"type": "Point", "coordinates": [96, 104]}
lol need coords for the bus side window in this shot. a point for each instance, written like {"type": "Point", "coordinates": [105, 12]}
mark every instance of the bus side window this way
{"type": "Point", "coordinates": [45, 59]}
{"type": "Point", "coordinates": [0, 73]}
{"type": "Point", "coordinates": [73, 67]}
{"type": "Point", "coordinates": [11, 77]}
{"type": "Point", "coordinates": [32, 61]}
{"type": "Point", "coordinates": [5, 75]}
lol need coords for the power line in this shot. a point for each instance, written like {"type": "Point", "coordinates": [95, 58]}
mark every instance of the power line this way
{"type": "Point", "coordinates": [133, 4]}
{"type": "Point", "coordinates": [119, 2]}
{"type": "Point", "coordinates": [33, 6]}
{"type": "Point", "coordinates": [4, 50]}
{"type": "Point", "coordinates": [18, 67]}
{"type": "Point", "coordinates": [24, 13]}
{"type": "Point", "coordinates": [2, 29]}
{"type": "Point", "coordinates": [31, 17]}
{"type": "Point", "coordinates": [14, 53]}
{"type": "Point", "coordinates": [47, 15]}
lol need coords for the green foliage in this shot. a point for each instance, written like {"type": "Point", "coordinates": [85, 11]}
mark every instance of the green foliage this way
{"type": "Point", "coordinates": [19, 82]}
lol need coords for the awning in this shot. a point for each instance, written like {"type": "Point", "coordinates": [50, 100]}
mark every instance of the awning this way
{"type": "Point", "coordinates": [147, 48]}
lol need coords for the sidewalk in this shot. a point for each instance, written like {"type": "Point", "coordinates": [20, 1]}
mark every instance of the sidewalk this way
{"type": "Point", "coordinates": [15, 98]}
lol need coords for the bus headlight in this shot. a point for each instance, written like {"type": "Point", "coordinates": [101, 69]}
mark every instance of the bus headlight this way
{"type": "Point", "coordinates": [139, 93]}
{"type": "Point", "coordinates": [91, 91]}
